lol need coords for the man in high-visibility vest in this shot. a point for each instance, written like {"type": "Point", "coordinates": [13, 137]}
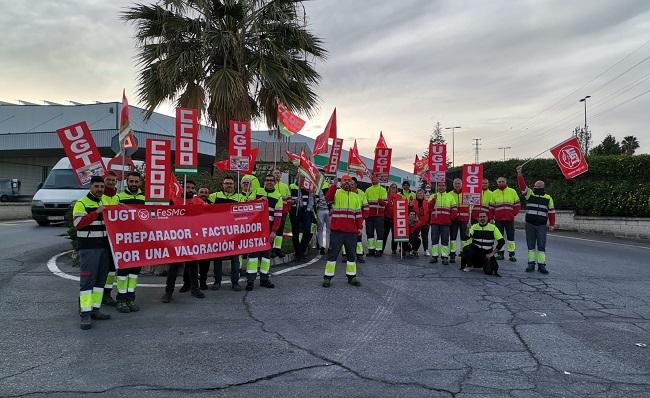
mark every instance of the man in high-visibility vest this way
{"type": "Point", "coordinates": [480, 253]}
{"type": "Point", "coordinates": [506, 205]}
{"type": "Point", "coordinates": [226, 195]}
{"type": "Point", "coordinates": [406, 191]}
{"type": "Point", "coordinates": [443, 211]}
{"type": "Point", "coordinates": [94, 251]}
{"type": "Point", "coordinates": [376, 195]}
{"type": "Point", "coordinates": [302, 214]}
{"type": "Point", "coordinates": [262, 260]}
{"type": "Point", "coordinates": [285, 193]}
{"type": "Point", "coordinates": [323, 218]}
{"type": "Point", "coordinates": [127, 279]}
{"type": "Point", "coordinates": [110, 197]}
{"type": "Point", "coordinates": [486, 203]}
{"type": "Point", "coordinates": [365, 209]}
{"type": "Point", "coordinates": [540, 211]}
{"type": "Point", "coordinates": [347, 222]}
{"type": "Point", "coordinates": [458, 225]}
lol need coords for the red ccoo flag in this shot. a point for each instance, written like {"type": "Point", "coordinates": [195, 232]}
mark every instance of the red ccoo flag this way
{"type": "Point", "coordinates": [569, 158]}
{"type": "Point", "coordinates": [320, 146]}
{"type": "Point", "coordinates": [355, 163]}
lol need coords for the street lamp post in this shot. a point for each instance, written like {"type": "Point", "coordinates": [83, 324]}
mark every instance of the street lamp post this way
{"type": "Point", "coordinates": [585, 101]}
{"type": "Point", "coordinates": [453, 144]}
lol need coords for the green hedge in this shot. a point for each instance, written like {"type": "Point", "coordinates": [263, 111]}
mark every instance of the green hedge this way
{"type": "Point", "coordinates": [617, 186]}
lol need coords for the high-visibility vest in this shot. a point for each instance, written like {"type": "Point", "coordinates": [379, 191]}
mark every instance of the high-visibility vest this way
{"type": "Point", "coordinates": [538, 208]}
{"type": "Point", "coordinates": [485, 236]}
{"type": "Point", "coordinates": [92, 236]}
{"type": "Point", "coordinates": [365, 209]}
{"type": "Point", "coordinates": [376, 196]}
{"type": "Point", "coordinates": [224, 197]}
{"type": "Point", "coordinates": [462, 210]}
{"type": "Point", "coordinates": [129, 198]}
{"type": "Point", "coordinates": [275, 203]}
{"type": "Point", "coordinates": [408, 195]}
{"type": "Point", "coordinates": [346, 211]}
{"type": "Point", "coordinates": [505, 203]}
{"type": "Point", "coordinates": [486, 206]}
{"type": "Point", "coordinates": [443, 211]}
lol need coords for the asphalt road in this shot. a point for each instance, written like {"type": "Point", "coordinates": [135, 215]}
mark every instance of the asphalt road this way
{"type": "Point", "coordinates": [413, 329]}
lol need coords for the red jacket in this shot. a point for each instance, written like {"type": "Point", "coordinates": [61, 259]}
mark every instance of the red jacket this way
{"type": "Point", "coordinates": [390, 204]}
{"type": "Point", "coordinates": [442, 215]}
{"type": "Point", "coordinates": [344, 218]}
{"type": "Point", "coordinates": [506, 204]}
{"type": "Point", "coordinates": [422, 211]}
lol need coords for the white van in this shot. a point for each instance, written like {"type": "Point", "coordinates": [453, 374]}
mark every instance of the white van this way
{"type": "Point", "coordinates": [58, 192]}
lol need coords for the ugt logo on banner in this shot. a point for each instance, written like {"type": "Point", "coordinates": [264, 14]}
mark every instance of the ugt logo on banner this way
{"type": "Point", "coordinates": [437, 162]}
{"type": "Point", "coordinates": [472, 184]}
{"type": "Point", "coordinates": [79, 145]}
{"type": "Point", "coordinates": [381, 167]}
{"type": "Point", "coordinates": [239, 146]}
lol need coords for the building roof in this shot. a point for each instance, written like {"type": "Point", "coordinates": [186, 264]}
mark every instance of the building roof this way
{"type": "Point", "coordinates": [33, 127]}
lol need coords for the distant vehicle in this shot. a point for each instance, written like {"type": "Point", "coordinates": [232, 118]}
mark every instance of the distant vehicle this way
{"type": "Point", "coordinates": [9, 189]}
{"type": "Point", "coordinates": [58, 192]}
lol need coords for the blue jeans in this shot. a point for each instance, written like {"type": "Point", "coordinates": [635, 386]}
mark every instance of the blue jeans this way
{"type": "Point", "coordinates": [234, 269]}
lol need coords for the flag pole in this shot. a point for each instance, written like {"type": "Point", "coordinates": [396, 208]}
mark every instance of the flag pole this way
{"type": "Point", "coordinates": [535, 157]}
{"type": "Point", "coordinates": [184, 188]}
{"type": "Point", "coordinates": [123, 161]}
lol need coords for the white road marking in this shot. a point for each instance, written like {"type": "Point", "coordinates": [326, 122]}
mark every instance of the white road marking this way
{"type": "Point", "coordinates": [599, 241]}
{"type": "Point", "coordinates": [54, 268]}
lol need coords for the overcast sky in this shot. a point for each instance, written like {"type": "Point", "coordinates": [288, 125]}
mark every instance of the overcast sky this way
{"type": "Point", "coordinates": [508, 72]}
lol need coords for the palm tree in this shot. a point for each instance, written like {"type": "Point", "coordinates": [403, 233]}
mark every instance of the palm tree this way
{"type": "Point", "coordinates": [231, 59]}
{"type": "Point", "coordinates": [629, 145]}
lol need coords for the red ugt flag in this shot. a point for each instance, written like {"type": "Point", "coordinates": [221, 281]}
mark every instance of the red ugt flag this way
{"type": "Point", "coordinates": [126, 137]}
{"type": "Point", "coordinates": [320, 146]}
{"type": "Point", "coordinates": [569, 158]}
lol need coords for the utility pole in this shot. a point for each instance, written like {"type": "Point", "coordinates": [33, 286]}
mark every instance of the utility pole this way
{"type": "Point", "coordinates": [504, 151]}
{"type": "Point", "coordinates": [453, 146]}
{"type": "Point", "coordinates": [476, 149]}
{"type": "Point", "coordinates": [586, 132]}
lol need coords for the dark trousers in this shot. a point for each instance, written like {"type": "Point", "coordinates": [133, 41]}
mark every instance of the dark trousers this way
{"type": "Point", "coordinates": [204, 268]}
{"type": "Point", "coordinates": [92, 278]}
{"type": "Point", "coordinates": [261, 261]}
{"type": "Point", "coordinates": [507, 229]}
{"type": "Point", "coordinates": [234, 269]}
{"type": "Point", "coordinates": [476, 257]}
{"type": "Point", "coordinates": [388, 227]}
{"type": "Point", "coordinates": [301, 224]}
{"type": "Point", "coordinates": [126, 272]}
{"type": "Point", "coordinates": [424, 235]}
{"type": "Point", "coordinates": [375, 231]}
{"type": "Point", "coordinates": [342, 239]}
{"type": "Point", "coordinates": [108, 287]}
{"type": "Point", "coordinates": [193, 275]}
{"type": "Point", "coordinates": [454, 229]}
{"type": "Point", "coordinates": [414, 242]}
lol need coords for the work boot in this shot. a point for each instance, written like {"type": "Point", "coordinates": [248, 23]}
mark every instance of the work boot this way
{"type": "Point", "coordinates": [379, 253]}
{"type": "Point", "coordinates": [167, 297]}
{"type": "Point", "coordinates": [354, 281]}
{"type": "Point", "coordinates": [500, 256]}
{"type": "Point", "coordinates": [371, 252]}
{"type": "Point", "coordinates": [85, 323]}
{"type": "Point", "coordinates": [267, 283]}
{"type": "Point", "coordinates": [236, 287]}
{"type": "Point", "coordinates": [452, 258]}
{"type": "Point", "coordinates": [108, 300]}
{"type": "Point", "coordinates": [184, 288]}
{"type": "Point", "coordinates": [197, 293]}
{"type": "Point", "coordinates": [203, 285]}
{"type": "Point", "coordinates": [322, 251]}
{"type": "Point", "coordinates": [512, 257]}
{"type": "Point", "coordinates": [394, 252]}
{"type": "Point", "coordinates": [132, 305]}
{"type": "Point", "coordinates": [279, 253]}
{"type": "Point", "coordinates": [99, 316]}
{"type": "Point", "coordinates": [531, 267]}
{"type": "Point", "coordinates": [122, 306]}
{"type": "Point", "coordinates": [434, 259]}
{"type": "Point", "coordinates": [215, 286]}
{"type": "Point", "coordinates": [249, 286]}
{"type": "Point", "coordinates": [445, 261]}
{"type": "Point", "coordinates": [542, 269]}
{"type": "Point", "coordinates": [360, 259]}
{"type": "Point", "coordinates": [327, 282]}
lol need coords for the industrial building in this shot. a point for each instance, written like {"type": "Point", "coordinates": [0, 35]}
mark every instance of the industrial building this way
{"type": "Point", "coordinates": [29, 145]}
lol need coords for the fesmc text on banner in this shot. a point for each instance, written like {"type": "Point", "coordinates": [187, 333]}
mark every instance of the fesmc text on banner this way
{"type": "Point", "coordinates": [79, 145]}
{"type": "Point", "coordinates": [239, 146]}
{"type": "Point", "coordinates": [569, 158]}
{"type": "Point", "coordinates": [472, 184]}
{"type": "Point", "coordinates": [153, 235]}
{"type": "Point", "coordinates": [335, 157]}
{"type": "Point", "coordinates": [437, 162]}
{"type": "Point", "coordinates": [400, 220]}
{"type": "Point", "coordinates": [159, 171]}
{"type": "Point", "coordinates": [187, 135]}
{"type": "Point", "coordinates": [381, 167]}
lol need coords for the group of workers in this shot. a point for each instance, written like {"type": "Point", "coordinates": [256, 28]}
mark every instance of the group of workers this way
{"type": "Point", "coordinates": [339, 213]}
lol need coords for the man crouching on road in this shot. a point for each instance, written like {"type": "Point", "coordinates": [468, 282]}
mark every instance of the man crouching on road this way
{"type": "Point", "coordinates": [94, 252]}
{"type": "Point", "coordinates": [480, 253]}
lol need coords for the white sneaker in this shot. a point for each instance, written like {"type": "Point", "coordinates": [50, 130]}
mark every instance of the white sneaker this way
{"type": "Point", "coordinates": [426, 253]}
{"type": "Point", "coordinates": [467, 269]}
